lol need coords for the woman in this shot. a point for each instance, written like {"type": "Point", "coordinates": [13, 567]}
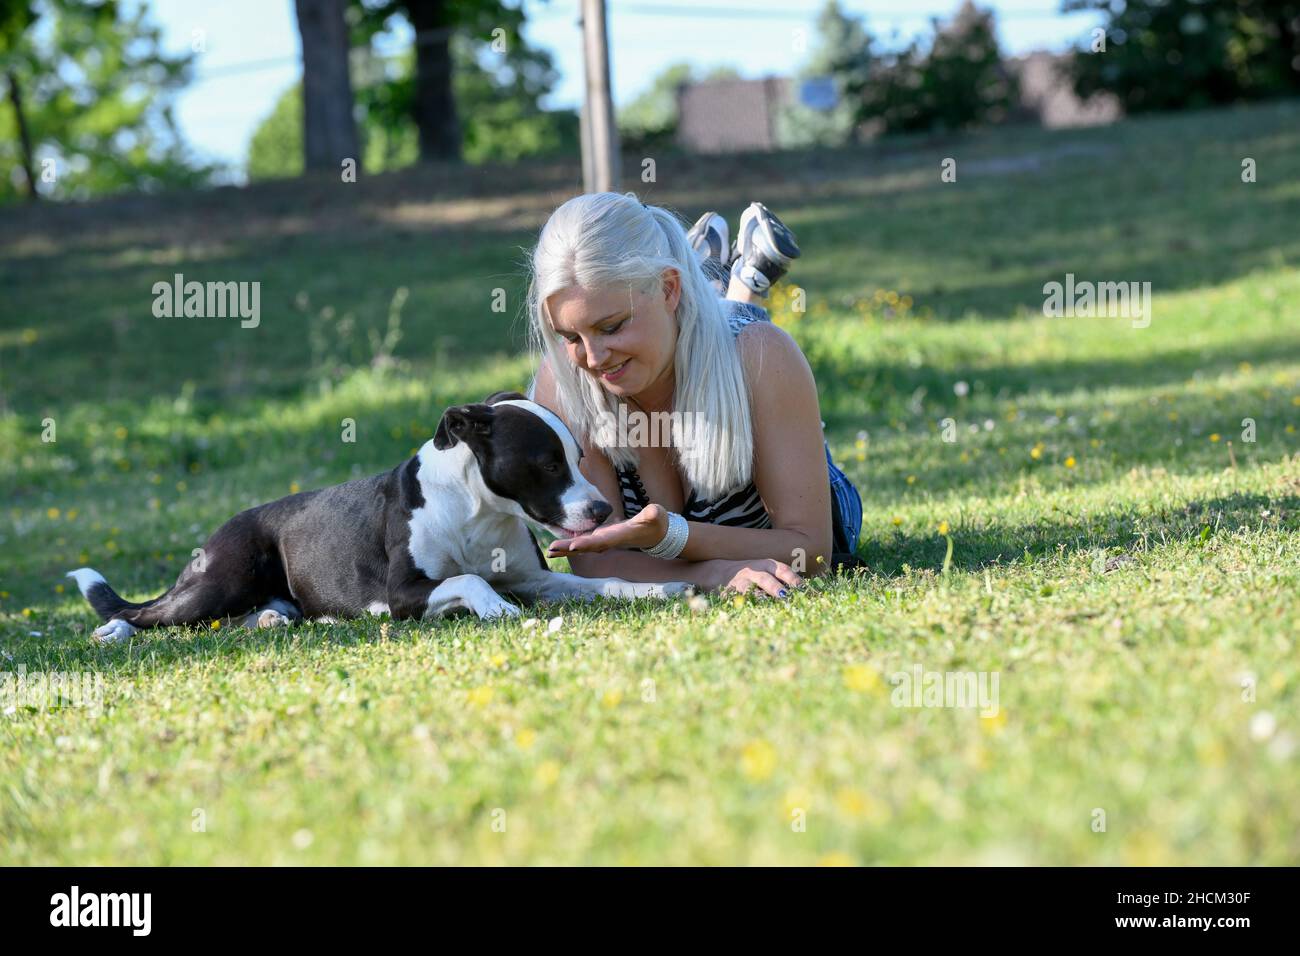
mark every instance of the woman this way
{"type": "Point", "coordinates": [630, 329]}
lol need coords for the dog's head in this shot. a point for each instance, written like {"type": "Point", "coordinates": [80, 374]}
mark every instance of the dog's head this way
{"type": "Point", "coordinates": [527, 460]}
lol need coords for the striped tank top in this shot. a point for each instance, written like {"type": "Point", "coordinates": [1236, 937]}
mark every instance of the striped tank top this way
{"type": "Point", "coordinates": [739, 509]}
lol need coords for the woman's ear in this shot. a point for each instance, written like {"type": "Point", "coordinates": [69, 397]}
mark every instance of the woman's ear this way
{"type": "Point", "coordinates": [672, 286]}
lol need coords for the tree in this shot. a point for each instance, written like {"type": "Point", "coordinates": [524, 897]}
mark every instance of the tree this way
{"type": "Point", "coordinates": [843, 56]}
{"type": "Point", "coordinates": [498, 104]}
{"type": "Point", "coordinates": [431, 102]}
{"type": "Point", "coordinates": [89, 101]}
{"type": "Point", "coordinates": [956, 81]}
{"type": "Point", "coordinates": [329, 131]}
{"type": "Point", "coordinates": [1177, 54]}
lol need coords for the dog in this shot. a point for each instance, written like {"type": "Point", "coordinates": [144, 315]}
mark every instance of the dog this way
{"type": "Point", "coordinates": [444, 530]}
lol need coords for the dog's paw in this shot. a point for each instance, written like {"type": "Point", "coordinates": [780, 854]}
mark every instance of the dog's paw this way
{"type": "Point", "coordinates": [114, 632]}
{"type": "Point", "coordinates": [272, 618]}
{"type": "Point", "coordinates": [490, 611]}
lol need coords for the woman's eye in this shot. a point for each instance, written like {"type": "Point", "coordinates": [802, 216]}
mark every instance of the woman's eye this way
{"type": "Point", "coordinates": [613, 329]}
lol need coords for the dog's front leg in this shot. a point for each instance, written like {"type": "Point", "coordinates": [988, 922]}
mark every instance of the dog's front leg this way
{"type": "Point", "coordinates": [425, 598]}
{"type": "Point", "coordinates": [556, 586]}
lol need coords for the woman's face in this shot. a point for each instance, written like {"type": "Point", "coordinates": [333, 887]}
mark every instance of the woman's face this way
{"type": "Point", "coordinates": [625, 339]}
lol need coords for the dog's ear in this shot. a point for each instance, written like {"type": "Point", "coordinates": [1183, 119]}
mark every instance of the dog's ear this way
{"type": "Point", "coordinates": [463, 422]}
{"type": "Point", "coordinates": [504, 397]}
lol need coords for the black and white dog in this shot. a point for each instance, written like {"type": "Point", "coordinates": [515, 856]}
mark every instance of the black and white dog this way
{"type": "Point", "coordinates": [443, 530]}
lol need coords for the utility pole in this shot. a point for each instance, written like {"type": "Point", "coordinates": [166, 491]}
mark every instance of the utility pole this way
{"type": "Point", "coordinates": [599, 135]}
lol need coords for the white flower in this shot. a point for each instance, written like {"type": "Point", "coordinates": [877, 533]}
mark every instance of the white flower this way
{"type": "Point", "coordinates": [961, 389]}
{"type": "Point", "coordinates": [529, 623]}
{"type": "Point", "coordinates": [554, 624]}
{"type": "Point", "coordinates": [1262, 725]}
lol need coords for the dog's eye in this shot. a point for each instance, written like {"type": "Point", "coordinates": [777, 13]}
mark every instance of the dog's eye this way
{"type": "Point", "coordinates": [552, 468]}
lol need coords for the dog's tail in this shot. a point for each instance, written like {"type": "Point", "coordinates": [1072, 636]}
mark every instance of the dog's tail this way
{"type": "Point", "coordinates": [106, 602]}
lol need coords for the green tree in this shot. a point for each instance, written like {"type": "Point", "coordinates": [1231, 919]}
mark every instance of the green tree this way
{"type": "Point", "coordinates": [1177, 54]}
{"type": "Point", "coordinates": [843, 55]}
{"type": "Point", "coordinates": [955, 81]}
{"type": "Point", "coordinates": [498, 105]}
{"type": "Point", "coordinates": [91, 88]}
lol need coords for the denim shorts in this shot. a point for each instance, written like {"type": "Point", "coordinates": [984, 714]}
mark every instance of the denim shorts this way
{"type": "Point", "coordinates": [846, 510]}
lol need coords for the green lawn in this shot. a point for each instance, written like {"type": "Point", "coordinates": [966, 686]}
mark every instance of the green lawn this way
{"type": "Point", "coordinates": [1124, 558]}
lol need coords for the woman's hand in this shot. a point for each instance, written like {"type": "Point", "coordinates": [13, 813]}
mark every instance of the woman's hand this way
{"type": "Point", "coordinates": [766, 574]}
{"type": "Point", "coordinates": [643, 530]}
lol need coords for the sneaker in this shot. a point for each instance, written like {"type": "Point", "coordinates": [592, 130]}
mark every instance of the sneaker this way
{"type": "Point", "coordinates": [708, 237]}
{"type": "Point", "coordinates": [764, 249]}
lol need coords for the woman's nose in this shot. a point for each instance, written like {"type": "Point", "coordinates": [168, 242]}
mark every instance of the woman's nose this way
{"type": "Point", "coordinates": [596, 355]}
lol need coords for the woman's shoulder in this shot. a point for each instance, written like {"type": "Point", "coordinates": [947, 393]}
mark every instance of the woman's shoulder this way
{"type": "Point", "coordinates": [765, 345]}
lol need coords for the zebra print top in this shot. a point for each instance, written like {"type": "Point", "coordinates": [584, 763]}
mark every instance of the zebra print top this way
{"type": "Point", "coordinates": [740, 509]}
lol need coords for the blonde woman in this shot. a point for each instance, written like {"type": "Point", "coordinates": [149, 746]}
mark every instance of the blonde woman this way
{"type": "Point", "coordinates": [632, 333]}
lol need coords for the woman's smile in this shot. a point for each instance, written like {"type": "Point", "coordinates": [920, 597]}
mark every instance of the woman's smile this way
{"type": "Point", "coordinates": [614, 372]}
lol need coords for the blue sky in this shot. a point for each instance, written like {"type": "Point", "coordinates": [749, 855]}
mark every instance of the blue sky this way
{"type": "Point", "coordinates": [251, 47]}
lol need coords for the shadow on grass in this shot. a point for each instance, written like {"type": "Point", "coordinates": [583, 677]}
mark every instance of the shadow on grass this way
{"type": "Point", "coordinates": [1121, 534]}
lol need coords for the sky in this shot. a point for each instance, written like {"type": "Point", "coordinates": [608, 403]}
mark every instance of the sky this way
{"type": "Point", "coordinates": [250, 51]}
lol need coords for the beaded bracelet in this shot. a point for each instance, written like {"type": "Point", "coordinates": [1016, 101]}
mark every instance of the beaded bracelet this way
{"type": "Point", "coordinates": [674, 539]}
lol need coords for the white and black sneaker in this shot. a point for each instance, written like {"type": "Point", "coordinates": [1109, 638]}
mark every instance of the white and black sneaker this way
{"type": "Point", "coordinates": [708, 237]}
{"type": "Point", "coordinates": [764, 249]}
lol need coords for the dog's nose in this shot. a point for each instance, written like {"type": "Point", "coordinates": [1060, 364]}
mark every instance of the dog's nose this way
{"type": "Point", "coordinates": [599, 511]}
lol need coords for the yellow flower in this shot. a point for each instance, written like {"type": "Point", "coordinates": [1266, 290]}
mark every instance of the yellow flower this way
{"type": "Point", "coordinates": [548, 771]}
{"type": "Point", "coordinates": [52, 514]}
{"type": "Point", "coordinates": [1173, 416]}
{"type": "Point", "coordinates": [861, 678]}
{"type": "Point", "coordinates": [27, 612]}
{"type": "Point", "coordinates": [1214, 437]}
{"type": "Point", "coordinates": [526, 738]}
{"type": "Point", "coordinates": [294, 488]}
{"type": "Point", "coordinates": [758, 760]}
{"type": "Point", "coordinates": [1290, 429]}
{"type": "Point", "coordinates": [1069, 462]}
{"type": "Point", "coordinates": [994, 723]}
{"type": "Point", "coordinates": [897, 521]}
{"type": "Point", "coordinates": [943, 527]}
{"type": "Point", "coordinates": [611, 699]}
{"type": "Point", "coordinates": [215, 625]}
{"type": "Point", "coordinates": [479, 696]}
{"type": "Point", "coordinates": [119, 432]}
{"type": "Point", "coordinates": [796, 799]}
{"type": "Point", "coordinates": [861, 805]}
{"type": "Point", "coordinates": [911, 479]}
{"type": "Point", "coordinates": [1036, 452]}
{"type": "Point", "coordinates": [738, 601]}
{"type": "Point", "coordinates": [837, 858]}
{"type": "Point", "coordinates": [58, 589]}
{"type": "Point", "coordinates": [498, 660]}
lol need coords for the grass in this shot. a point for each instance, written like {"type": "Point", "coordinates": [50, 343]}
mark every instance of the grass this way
{"type": "Point", "coordinates": [1123, 559]}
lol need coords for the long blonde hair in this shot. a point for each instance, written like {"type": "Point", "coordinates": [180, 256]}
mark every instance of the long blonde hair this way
{"type": "Point", "coordinates": [600, 240]}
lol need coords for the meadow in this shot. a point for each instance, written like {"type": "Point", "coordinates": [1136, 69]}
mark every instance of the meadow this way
{"type": "Point", "coordinates": [1102, 515]}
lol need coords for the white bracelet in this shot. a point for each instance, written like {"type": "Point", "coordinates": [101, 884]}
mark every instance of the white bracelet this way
{"type": "Point", "coordinates": [674, 539]}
